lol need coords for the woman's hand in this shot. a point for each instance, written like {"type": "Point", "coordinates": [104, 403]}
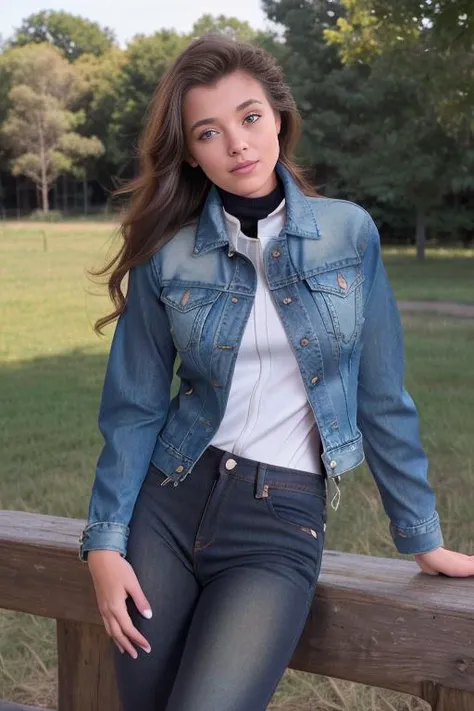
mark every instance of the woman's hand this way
{"type": "Point", "coordinates": [114, 580]}
{"type": "Point", "coordinates": [456, 565]}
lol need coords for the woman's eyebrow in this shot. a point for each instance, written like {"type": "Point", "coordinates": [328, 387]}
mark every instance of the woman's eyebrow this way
{"type": "Point", "coordinates": [240, 107]}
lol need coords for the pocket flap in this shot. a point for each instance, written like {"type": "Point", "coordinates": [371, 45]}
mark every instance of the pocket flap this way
{"type": "Point", "coordinates": [340, 282]}
{"type": "Point", "coordinates": [186, 298]}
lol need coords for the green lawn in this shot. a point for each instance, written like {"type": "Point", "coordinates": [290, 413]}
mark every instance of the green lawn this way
{"type": "Point", "coordinates": [51, 370]}
{"type": "Point", "coordinates": [445, 275]}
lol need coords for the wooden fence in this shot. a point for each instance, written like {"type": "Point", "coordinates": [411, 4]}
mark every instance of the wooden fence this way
{"type": "Point", "coordinates": [374, 620]}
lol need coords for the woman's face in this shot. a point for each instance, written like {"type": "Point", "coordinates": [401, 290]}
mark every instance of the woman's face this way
{"type": "Point", "coordinates": [232, 134]}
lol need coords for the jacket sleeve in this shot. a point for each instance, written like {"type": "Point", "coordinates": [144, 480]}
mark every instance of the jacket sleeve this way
{"type": "Point", "coordinates": [134, 406]}
{"type": "Point", "coordinates": [387, 416]}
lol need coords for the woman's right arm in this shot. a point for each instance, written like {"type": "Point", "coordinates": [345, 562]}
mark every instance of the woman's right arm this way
{"type": "Point", "coordinates": [134, 406]}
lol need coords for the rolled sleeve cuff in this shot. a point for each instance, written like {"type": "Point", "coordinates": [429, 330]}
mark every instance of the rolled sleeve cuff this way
{"type": "Point", "coordinates": [103, 536]}
{"type": "Point", "coordinates": [422, 538]}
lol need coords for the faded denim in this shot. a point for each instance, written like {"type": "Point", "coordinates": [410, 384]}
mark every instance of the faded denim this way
{"type": "Point", "coordinates": [326, 276]}
{"type": "Point", "coordinates": [229, 561]}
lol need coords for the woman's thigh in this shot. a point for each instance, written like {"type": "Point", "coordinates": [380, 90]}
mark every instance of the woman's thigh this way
{"type": "Point", "coordinates": [243, 633]}
{"type": "Point", "coordinates": [259, 562]}
{"type": "Point", "coordinates": [230, 576]}
{"type": "Point", "coordinates": [170, 586]}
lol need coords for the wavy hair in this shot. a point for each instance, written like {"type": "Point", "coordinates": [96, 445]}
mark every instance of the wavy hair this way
{"type": "Point", "coordinates": [167, 193]}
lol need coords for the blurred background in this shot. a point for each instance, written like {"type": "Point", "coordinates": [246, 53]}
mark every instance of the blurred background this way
{"type": "Point", "coordinates": [386, 92]}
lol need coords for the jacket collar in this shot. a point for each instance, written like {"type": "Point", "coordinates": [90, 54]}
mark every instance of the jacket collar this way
{"type": "Point", "coordinates": [211, 231]}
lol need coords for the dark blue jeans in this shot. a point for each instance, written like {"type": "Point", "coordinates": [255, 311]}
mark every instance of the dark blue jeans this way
{"type": "Point", "coordinates": [229, 560]}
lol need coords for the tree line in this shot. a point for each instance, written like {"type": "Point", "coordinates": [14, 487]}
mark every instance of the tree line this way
{"type": "Point", "coordinates": [385, 89]}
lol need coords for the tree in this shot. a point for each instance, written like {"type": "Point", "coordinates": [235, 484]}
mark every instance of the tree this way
{"type": "Point", "coordinates": [405, 158]}
{"type": "Point", "coordinates": [146, 60]}
{"type": "Point", "coordinates": [369, 27]}
{"type": "Point", "coordinates": [39, 128]}
{"type": "Point", "coordinates": [229, 26]}
{"type": "Point", "coordinates": [71, 34]}
{"type": "Point", "coordinates": [371, 131]}
{"type": "Point", "coordinates": [101, 97]}
{"type": "Point", "coordinates": [434, 37]}
{"type": "Point", "coordinates": [328, 94]}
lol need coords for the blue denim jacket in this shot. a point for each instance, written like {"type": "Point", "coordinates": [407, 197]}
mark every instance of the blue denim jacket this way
{"type": "Point", "coordinates": [193, 298]}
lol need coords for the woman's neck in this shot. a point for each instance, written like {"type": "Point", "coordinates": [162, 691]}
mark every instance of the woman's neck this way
{"type": "Point", "coordinates": [249, 210]}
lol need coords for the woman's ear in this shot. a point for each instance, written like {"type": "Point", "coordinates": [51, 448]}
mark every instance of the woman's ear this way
{"type": "Point", "coordinates": [193, 163]}
{"type": "Point", "coordinates": [278, 123]}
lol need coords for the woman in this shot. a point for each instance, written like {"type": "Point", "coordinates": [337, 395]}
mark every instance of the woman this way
{"type": "Point", "coordinates": [208, 512]}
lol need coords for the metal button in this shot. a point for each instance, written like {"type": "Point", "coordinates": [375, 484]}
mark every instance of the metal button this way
{"type": "Point", "coordinates": [304, 341]}
{"type": "Point", "coordinates": [189, 392]}
{"type": "Point", "coordinates": [180, 469]}
{"type": "Point", "coordinates": [288, 300]}
{"type": "Point", "coordinates": [234, 299]}
{"type": "Point", "coordinates": [230, 464]}
{"type": "Point", "coordinates": [276, 253]}
{"type": "Point", "coordinates": [315, 380]}
{"type": "Point", "coordinates": [333, 464]}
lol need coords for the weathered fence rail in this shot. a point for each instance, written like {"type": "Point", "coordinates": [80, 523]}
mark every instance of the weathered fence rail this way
{"type": "Point", "coordinates": [374, 620]}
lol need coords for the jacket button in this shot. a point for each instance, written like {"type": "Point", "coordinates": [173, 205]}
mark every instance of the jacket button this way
{"type": "Point", "coordinates": [230, 464]}
{"type": "Point", "coordinates": [288, 300]}
{"type": "Point", "coordinates": [315, 380]}
{"type": "Point", "coordinates": [276, 253]}
{"type": "Point", "coordinates": [304, 341]}
{"type": "Point", "coordinates": [180, 469]}
{"type": "Point", "coordinates": [234, 299]}
{"type": "Point", "coordinates": [333, 464]}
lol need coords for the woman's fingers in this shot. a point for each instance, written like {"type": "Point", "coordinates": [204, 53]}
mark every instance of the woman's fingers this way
{"type": "Point", "coordinates": [114, 580]}
{"type": "Point", "coordinates": [132, 633]}
{"type": "Point", "coordinates": [120, 638]}
{"type": "Point", "coordinates": [119, 625]}
{"type": "Point", "coordinates": [451, 563]}
{"type": "Point", "coordinates": [121, 649]}
{"type": "Point", "coordinates": [135, 591]}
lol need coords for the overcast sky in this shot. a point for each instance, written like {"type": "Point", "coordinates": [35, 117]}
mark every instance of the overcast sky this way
{"type": "Point", "coordinates": [130, 17]}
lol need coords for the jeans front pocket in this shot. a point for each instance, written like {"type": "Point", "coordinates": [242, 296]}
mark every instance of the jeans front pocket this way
{"type": "Point", "coordinates": [301, 509]}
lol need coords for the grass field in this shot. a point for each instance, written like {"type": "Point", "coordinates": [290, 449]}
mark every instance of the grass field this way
{"type": "Point", "coordinates": [51, 370]}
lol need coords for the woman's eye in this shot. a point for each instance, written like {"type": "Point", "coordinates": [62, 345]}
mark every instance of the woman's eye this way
{"type": "Point", "coordinates": [206, 135]}
{"type": "Point", "coordinates": [254, 118]}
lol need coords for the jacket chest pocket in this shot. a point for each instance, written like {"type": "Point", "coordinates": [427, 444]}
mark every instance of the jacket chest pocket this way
{"type": "Point", "coordinates": [338, 296]}
{"type": "Point", "coordinates": [187, 308]}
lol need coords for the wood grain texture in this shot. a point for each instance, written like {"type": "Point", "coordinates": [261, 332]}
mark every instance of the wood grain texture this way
{"type": "Point", "coordinates": [376, 621]}
{"type": "Point", "coordinates": [40, 571]}
{"type": "Point", "coordinates": [443, 699]}
{"type": "Point", "coordinates": [86, 676]}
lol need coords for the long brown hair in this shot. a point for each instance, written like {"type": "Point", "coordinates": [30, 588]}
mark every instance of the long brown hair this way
{"type": "Point", "coordinates": [168, 193]}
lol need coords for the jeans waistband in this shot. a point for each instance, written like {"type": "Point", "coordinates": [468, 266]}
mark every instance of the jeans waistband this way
{"type": "Point", "coordinates": [265, 475]}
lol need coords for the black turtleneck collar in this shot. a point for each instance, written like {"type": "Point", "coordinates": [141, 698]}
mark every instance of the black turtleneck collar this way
{"type": "Point", "coordinates": [249, 210]}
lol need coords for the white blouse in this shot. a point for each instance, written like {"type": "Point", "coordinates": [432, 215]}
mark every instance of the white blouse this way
{"type": "Point", "coordinates": [268, 417]}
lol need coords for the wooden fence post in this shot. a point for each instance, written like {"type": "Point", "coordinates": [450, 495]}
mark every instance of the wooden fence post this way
{"type": "Point", "coordinates": [441, 698]}
{"type": "Point", "coordinates": [86, 676]}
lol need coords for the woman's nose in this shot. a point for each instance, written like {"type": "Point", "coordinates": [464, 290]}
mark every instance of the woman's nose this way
{"type": "Point", "coordinates": [237, 145]}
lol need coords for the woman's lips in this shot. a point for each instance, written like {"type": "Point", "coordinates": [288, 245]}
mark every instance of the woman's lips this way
{"type": "Point", "coordinates": [244, 168]}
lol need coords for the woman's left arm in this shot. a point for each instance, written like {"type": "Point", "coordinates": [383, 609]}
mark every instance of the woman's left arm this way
{"type": "Point", "coordinates": [388, 420]}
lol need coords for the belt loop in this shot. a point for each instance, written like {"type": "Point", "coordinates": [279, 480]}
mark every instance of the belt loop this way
{"type": "Point", "coordinates": [260, 480]}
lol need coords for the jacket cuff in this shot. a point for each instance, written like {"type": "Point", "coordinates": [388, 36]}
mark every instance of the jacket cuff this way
{"type": "Point", "coordinates": [103, 536]}
{"type": "Point", "coordinates": [422, 538]}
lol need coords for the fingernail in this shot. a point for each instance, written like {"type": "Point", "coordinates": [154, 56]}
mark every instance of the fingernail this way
{"type": "Point", "coordinates": [147, 649]}
{"type": "Point", "coordinates": [147, 613]}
